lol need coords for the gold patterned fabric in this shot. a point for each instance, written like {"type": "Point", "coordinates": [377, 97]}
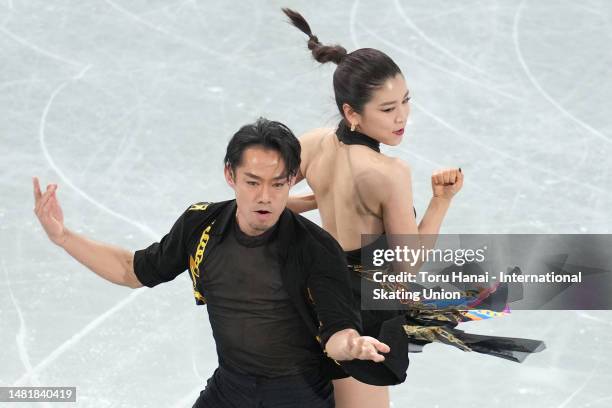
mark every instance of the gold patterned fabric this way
{"type": "Point", "coordinates": [426, 323]}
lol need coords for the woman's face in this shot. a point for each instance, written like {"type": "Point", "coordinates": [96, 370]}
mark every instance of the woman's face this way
{"type": "Point", "coordinates": [384, 116]}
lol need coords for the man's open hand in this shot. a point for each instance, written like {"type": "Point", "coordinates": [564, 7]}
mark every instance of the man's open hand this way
{"type": "Point", "coordinates": [347, 344]}
{"type": "Point", "coordinates": [49, 212]}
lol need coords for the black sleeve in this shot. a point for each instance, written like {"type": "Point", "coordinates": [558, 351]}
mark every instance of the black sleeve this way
{"type": "Point", "coordinates": [164, 260]}
{"type": "Point", "coordinates": [331, 292]}
{"type": "Point", "coordinates": [338, 309]}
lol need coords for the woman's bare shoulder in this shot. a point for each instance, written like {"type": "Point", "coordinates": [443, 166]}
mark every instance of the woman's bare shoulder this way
{"type": "Point", "coordinates": [398, 167]}
{"type": "Point", "coordinates": [315, 136]}
{"type": "Point", "coordinates": [314, 142]}
{"type": "Point", "coordinates": [382, 174]}
{"type": "Point", "coordinates": [388, 167]}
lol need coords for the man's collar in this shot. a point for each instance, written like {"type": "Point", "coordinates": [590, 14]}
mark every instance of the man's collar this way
{"type": "Point", "coordinates": [224, 221]}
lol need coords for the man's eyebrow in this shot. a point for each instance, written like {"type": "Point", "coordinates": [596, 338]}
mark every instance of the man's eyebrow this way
{"type": "Point", "coordinates": [392, 102]}
{"type": "Point", "coordinates": [251, 175]}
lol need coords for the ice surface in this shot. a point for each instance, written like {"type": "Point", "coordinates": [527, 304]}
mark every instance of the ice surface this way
{"type": "Point", "coordinates": [128, 106]}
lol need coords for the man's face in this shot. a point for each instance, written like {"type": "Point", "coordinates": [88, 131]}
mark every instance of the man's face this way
{"type": "Point", "coordinates": [261, 187]}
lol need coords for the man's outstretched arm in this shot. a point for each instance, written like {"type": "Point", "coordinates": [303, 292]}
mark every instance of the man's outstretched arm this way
{"type": "Point", "coordinates": [110, 262]}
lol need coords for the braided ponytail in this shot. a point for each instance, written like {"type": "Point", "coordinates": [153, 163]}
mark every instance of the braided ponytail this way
{"type": "Point", "coordinates": [358, 74]}
{"type": "Point", "coordinates": [321, 53]}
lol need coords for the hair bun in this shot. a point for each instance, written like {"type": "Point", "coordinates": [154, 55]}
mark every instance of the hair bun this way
{"type": "Point", "coordinates": [321, 53]}
{"type": "Point", "coordinates": [313, 41]}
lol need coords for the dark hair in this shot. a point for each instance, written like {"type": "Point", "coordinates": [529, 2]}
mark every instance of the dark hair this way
{"type": "Point", "coordinates": [358, 74]}
{"type": "Point", "coordinates": [269, 135]}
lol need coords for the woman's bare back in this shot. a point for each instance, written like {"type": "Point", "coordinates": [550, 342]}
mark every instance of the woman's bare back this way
{"type": "Point", "coordinates": [342, 178]}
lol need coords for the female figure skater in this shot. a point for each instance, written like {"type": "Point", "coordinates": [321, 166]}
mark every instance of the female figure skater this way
{"type": "Point", "coordinates": [359, 190]}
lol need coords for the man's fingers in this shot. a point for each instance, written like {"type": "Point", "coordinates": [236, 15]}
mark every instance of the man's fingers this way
{"type": "Point", "coordinates": [374, 348]}
{"type": "Point", "coordinates": [49, 211]}
{"type": "Point", "coordinates": [368, 348]}
{"type": "Point", "coordinates": [37, 192]}
{"type": "Point", "coordinates": [45, 197]}
{"type": "Point", "coordinates": [382, 347]}
{"type": "Point", "coordinates": [54, 203]}
{"type": "Point", "coordinates": [377, 358]}
{"type": "Point", "coordinates": [372, 354]}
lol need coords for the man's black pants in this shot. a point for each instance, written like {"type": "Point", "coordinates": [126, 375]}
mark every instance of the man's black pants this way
{"type": "Point", "coordinates": [228, 389]}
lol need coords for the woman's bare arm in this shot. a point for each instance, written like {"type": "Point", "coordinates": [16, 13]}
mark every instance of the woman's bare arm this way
{"type": "Point", "coordinates": [302, 203]}
{"type": "Point", "coordinates": [395, 194]}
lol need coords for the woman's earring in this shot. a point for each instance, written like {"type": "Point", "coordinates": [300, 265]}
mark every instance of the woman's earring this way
{"type": "Point", "coordinates": [352, 127]}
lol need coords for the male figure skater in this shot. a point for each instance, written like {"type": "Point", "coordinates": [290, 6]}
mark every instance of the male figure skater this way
{"type": "Point", "coordinates": [276, 284]}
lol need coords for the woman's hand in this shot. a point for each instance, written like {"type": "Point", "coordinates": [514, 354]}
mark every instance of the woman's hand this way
{"type": "Point", "coordinates": [445, 183]}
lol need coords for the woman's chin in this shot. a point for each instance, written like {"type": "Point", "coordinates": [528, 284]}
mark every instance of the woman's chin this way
{"type": "Point", "coordinates": [394, 141]}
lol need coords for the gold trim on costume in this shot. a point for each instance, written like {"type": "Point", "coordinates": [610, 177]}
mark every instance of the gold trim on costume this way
{"type": "Point", "coordinates": [198, 207]}
{"type": "Point", "coordinates": [194, 263]}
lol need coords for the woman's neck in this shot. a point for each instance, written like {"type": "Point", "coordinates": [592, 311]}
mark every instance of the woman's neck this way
{"type": "Point", "coordinates": [349, 137]}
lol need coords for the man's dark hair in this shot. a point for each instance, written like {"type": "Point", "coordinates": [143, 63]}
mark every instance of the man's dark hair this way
{"type": "Point", "coordinates": [358, 74]}
{"type": "Point", "coordinates": [267, 134]}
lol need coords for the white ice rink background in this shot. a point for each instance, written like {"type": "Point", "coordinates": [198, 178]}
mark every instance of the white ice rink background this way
{"type": "Point", "coordinates": [128, 106]}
